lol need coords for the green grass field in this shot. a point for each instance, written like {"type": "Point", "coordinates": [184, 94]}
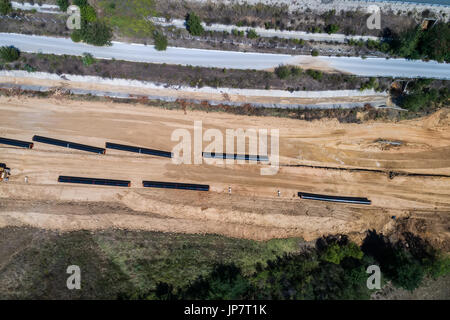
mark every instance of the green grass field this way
{"type": "Point", "coordinates": [127, 18]}
{"type": "Point", "coordinates": [33, 262]}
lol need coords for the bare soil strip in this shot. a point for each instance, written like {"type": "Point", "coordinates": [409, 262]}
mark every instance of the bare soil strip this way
{"type": "Point", "coordinates": [253, 210]}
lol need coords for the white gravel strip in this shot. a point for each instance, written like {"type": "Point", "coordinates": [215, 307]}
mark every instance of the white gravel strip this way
{"type": "Point", "coordinates": [45, 8]}
{"type": "Point", "coordinates": [342, 38]}
{"type": "Point", "coordinates": [153, 85]}
{"type": "Point", "coordinates": [346, 5]}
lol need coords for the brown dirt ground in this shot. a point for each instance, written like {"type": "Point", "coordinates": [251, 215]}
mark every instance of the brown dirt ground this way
{"type": "Point", "coordinates": [253, 210]}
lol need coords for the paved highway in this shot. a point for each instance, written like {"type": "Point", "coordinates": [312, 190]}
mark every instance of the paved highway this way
{"type": "Point", "coordinates": [228, 59]}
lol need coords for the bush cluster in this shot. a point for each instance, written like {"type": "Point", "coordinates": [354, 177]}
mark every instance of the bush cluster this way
{"type": "Point", "coordinates": [334, 269]}
{"type": "Point", "coordinates": [9, 54]}
{"type": "Point", "coordinates": [194, 25]}
{"type": "Point", "coordinates": [5, 7]}
{"type": "Point", "coordinates": [160, 40]}
{"type": "Point", "coordinates": [92, 30]}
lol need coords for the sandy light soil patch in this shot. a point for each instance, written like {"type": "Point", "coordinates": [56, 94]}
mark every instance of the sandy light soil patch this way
{"type": "Point", "coordinates": [253, 210]}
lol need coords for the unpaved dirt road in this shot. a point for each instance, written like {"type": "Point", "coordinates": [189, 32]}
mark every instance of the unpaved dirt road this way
{"type": "Point", "coordinates": [242, 96]}
{"type": "Point", "coordinates": [253, 210]}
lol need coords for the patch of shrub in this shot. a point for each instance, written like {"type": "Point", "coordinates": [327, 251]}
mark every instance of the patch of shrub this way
{"type": "Point", "coordinates": [422, 96]}
{"type": "Point", "coordinates": [251, 34]}
{"type": "Point", "coordinates": [296, 71]}
{"type": "Point", "coordinates": [160, 41]}
{"type": "Point", "coordinates": [63, 5]}
{"type": "Point", "coordinates": [88, 13]}
{"type": "Point", "coordinates": [282, 72]}
{"type": "Point", "coordinates": [97, 33]}
{"type": "Point", "coordinates": [88, 59]}
{"type": "Point", "coordinates": [331, 28]}
{"type": "Point", "coordinates": [80, 3]}
{"type": "Point", "coordinates": [194, 25]}
{"type": "Point", "coordinates": [315, 74]}
{"type": "Point", "coordinates": [416, 43]}
{"type": "Point", "coordinates": [29, 68]}
{"type": "Point", "coordinates": [335, 253]}
{"type": "Point", "coordinates": [237, 33]}
{"type": "Point", "coordinates": [76, 36]}
{"type": "Point", "coordinates": [9, 54]}
{"type": "Point", "coordinates": [371, 84]}
{"type": "Point", "coordinates": [5, 7]}
{"type": "Point", "coordinates": [314, 52]}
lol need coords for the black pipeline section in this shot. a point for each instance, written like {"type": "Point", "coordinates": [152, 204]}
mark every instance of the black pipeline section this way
{"type": "Point", "coordinates": [102, 182]}
{"type": "Point", "coordinates": [234, 156]}
{"type": "Point", "coordinates": [17, 143]}
{"type": "Point", "coordinates": [152, 152]}
{"type": "Point", "coordinates": [67, 144]}
{"type": "Point", "coordinates": [175, 185]}
{"type": "Point", "coordinates": [312, 196]}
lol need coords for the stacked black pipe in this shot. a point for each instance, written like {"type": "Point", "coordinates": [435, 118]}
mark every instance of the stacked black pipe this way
{"type": "Point", "coordinates": [68, 144]}
{"type": "Point", "coordinates": [153, 152]}
{"type": "Point", "coordinates": [96, 181]}
{"type": "Point", "coordinates": [321, 197]}
{"type": "Point", "coordinates": [16, 143]}
{"type": "Point", "coordinates": [175, 185]}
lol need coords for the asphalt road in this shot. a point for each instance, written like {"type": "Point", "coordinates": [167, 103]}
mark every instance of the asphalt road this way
{"type": "Point", "coordinates": [228, 59]}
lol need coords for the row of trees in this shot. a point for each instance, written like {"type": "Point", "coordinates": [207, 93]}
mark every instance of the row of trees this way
{"type": "Point", "coordinates": [433, 44]}
{"type": "Point", "coordinates": [97, 32]}
{"type": "Point", "coordinates": [335, 269]}
{"type": "Point", "coordinates": [422, 95]}
{"type": "Point", "coordinates": [93, 30]}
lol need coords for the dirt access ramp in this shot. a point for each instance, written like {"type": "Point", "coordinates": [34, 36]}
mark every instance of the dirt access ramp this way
{"type": "Point", "coordinates": [253, 210]}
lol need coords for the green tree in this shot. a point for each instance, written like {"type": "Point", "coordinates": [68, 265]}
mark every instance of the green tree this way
{"type": "Point", "coordinates": [160, 41]}
{"type": "Point", "coordinates": [63, 5]}
{"type": "Point", "coordinates": [76, 36]}
{"type": "Point", "coordinates": [225, 282]}
{"type": "Point", "coordinates": [97, 33]}
{"type": "Point", "coordinates": [194, 25]}
{"type": "Point", "coordinates": [435, 43]}
{"type": "Point", "coordinates": [314, 53]}
{"type": "Point", "coordinates": [80, 3]}
{"type": "Point", "coordinates": [335, 253]}
{"type": "Point", "coordinates": [407, 46]}
{"type": "Point", "coordinates": [331, 28]}
{"type": "Point", "coordinates": [408, 272]}
{"type": "Point", "coordinates": [88, 13]}
{"type": "Point", "coordinates": [5, 7]}
{"type": "Point", "coordinates": [9, 54]}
